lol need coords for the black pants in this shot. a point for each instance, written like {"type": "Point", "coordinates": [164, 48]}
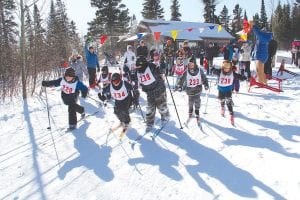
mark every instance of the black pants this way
{"type": "Point", "coordinates": [92, 75]}
{"type": "Point", "coordinates": [121, 110]}
{"type": "Point", "coordinates": [268, 67]}
{"type": "Point", "coordinates": [247, 68]}
{"type": "Point", "coordinates": [73, 108]}
{"type": "Point", "coordinates": [226, 97]}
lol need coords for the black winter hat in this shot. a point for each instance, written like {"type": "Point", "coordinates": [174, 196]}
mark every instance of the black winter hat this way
{"type": "Point", "coordinates": [141, 61]}
{"type": "Point", "coordinates": [115, 76]}
{"type": "Point", "coordinates": [104, 69]}
{"type": "Point", "coordinates": [70, 72]}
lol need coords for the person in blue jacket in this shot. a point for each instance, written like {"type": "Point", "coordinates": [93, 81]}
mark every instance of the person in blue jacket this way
{"type": "Point", "coordinates": [92, 64]}
{"type": "Point", "coordinates": [261, 51]}
{"type": "Point", "coordinates": [70, 87]}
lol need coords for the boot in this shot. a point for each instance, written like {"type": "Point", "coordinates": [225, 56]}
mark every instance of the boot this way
{"type": "Point", "coordinates": [232, 119]}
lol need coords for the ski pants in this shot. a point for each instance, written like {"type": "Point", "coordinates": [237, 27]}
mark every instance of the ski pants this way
{"type": "Point", "coordinates": [247, 68]}
{"type": "Point", "coordinates": [121, 110]}
{"type": "Point", "coordinates": [92, 75]}
{"type": "Point", "coordinates": [194, 100]}
{"type": "Point", "coordinates": [159, 102]}
{"type": "Point", "coordinates": [226, 97]}
{"type": "Point", "coordinates": [73, 108]}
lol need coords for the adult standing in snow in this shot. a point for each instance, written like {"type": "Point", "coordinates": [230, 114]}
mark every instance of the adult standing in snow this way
{"type": "Point", "coordinates": [70, 87]}
{"type": "Point", "coordinates": [261, 51]}
{"type": "Point", "coordinates": [76, 62]}
{"type": "Point", "coordinates": [245, 59]}
{"type": "Point", "coordinates": [153, 84]}
{"type": "Point", "coordinates": [169, 56]}
{"type": "Point", "coordinates": [92, 64]}
{"type": "Point", "coordinates": [142, 49]}
{"type": "Point", "coordinates": [120, 91]}
{"type": "Point", "coordinates": [210, 52]}
{"type": "Point", "coordinates": [194, 78]}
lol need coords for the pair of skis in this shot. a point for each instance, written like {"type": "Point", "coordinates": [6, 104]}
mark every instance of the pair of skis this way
{"type": "Point", "coordinates": [186, 124]}
{"type": "Point", "coordinates": [114, 129]}
{"type": "Point", "coordinates": [82, 119]}
{"type": "Point", "coordinates": [154, 133]}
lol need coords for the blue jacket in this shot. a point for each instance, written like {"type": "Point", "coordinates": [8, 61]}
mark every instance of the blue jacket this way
{"type": "Point", "coordinates": [91, 58]}
{"type": "Point", "coordinates": [261, 46]}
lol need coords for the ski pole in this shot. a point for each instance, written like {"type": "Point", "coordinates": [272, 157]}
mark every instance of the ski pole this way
{"type": "Point", "coordinates": [49, 127]}
{"type": "Point", "coordinates": [96, 100]}
{"type": "Point", "coordinates": [207, 94]}
{"type": "Point", "coordinates": [174, 102]}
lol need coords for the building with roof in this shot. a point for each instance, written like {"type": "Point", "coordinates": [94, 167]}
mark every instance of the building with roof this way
{"type": "Point", "coordinates": [197, 33]}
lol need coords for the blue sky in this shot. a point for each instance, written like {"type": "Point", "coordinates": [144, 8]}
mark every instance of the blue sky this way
{"type": "Point", "coordinates": [191, 10]}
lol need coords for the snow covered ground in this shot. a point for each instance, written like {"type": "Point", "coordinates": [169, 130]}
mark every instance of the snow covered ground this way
{"type": "Point", "coordinates": [259, 158]}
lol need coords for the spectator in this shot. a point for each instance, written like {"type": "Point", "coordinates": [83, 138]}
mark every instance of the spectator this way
{"type": "Point", "coordinates": [92, 64]}
{"type": "Point", "coordinates": [142, 50]}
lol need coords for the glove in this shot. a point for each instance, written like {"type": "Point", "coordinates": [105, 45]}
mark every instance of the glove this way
{"type": "Point", "coordinates": [206, 87]}
{"type": "Point", "coordinates": [84, 94]}
{"type": "Point", "coordinates": [101, 97]}
{"type": "Point", "coordinates": [98, 69]}
{"type": "Point", "coordinates": [44, 83]}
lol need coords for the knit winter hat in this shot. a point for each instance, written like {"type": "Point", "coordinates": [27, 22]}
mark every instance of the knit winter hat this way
{"type": "Point", "coordinates": [70, 72]}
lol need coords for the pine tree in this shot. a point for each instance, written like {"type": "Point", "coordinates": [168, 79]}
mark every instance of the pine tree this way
{"type": "Point", "coordinates": [112, 18]}
{"type": "Point", "coordinates": [237, 22]}
{"type": "Point", "coordinates": [295, 21]}
{"type": "Point", "coordinates": [209, 11]}
{"type": "Point", "coordinates": [8, 33]}
{"type": "Point", "coordinates": [175, 14]}
{"type": "Point", "coordinates": [224, 18]}
{"type": "Point", "coordinates": [256, 20]}
{"type": "Point", "coordinates": [152, 10]}
{"type": "Point", "coordinates": [245, 15]}
{"type": "Point", "coordinates": [263, 16]}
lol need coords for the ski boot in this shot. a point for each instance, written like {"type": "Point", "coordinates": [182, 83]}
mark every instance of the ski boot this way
{"type": "Point", "coordinates": [232, 119]}
{"type": "Point", "coordinates": [222, 111]}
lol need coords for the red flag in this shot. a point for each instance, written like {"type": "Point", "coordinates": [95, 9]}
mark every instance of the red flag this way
{"type": "Point", "coordinates": [103, 38]}
{"type": "Point", "coordinates": [157, 36]}
{"type": "Point", "coordinates": [190, 29]}
{"type": "Point", "coordinates": [246, 26]}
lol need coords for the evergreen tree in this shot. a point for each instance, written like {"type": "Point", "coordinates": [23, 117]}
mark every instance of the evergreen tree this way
{"type": "Point", "coordinates": [209, 11]}
{"type": "Point", "coordinates": [63, 30]}
{"type": "Point", "coordinates": [245, 15]}
{"type": "Point", "coordinates": [263, 16]}
{"type": "Point", "coordinates": [295, 21]}
{"type": "Point", "coordinates": [256, 20]}
{"type": "Point", "coordinates": [8, 33]}
{"type": "Point", "coordinates": [29, 43]}
{"type": "Point", "coordinates": [237, 22]}
{"type": "Point", "coordinates": [175, 14]}
{"type": "Point", "coordinates": [52, 37]}
{"type": "Point", "coordinates": [152, 10]}
{"type": "Point", "coordinates": [112, 18]}
{"type": "Point", "coordinates": [224, 18]}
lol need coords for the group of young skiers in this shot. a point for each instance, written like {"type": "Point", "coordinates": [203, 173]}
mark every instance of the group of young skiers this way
{"type": "Point", "coordinates": [149, 74]}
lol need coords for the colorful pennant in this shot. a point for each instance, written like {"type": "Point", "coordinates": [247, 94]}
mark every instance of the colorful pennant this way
{"type": "Point", "coordinates": [174, 34]}
{"type": "Point", "coordinates": [156, 36]}
{"type": "Point", "coordinates": [103, 38]}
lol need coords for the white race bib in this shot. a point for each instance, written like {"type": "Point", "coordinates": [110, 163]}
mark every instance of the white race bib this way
{"type": "Point", "coordinates": [68, 88]}
{"type": "Point", "coordinates": [193, 81]}
{"type": "Point", "coordinates": [225, 80]}
{"type": "Point", "coordinates": [120, 94]}
{"type": "Point", "coordinates": [146, 78]}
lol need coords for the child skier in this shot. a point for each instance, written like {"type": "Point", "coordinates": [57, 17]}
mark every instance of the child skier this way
{"type": "Point", "coordinates": [225, 84]}
{"type": "Point", "coordinates": [179, 70]}
{"type": "Point", "coordinates": [70, 87]}
{"type": "Point", "coordinates": [194, 78]}
{"type": "Point", "coordinates": [104, 81]}
{"type": "Point", "coordinates": [120, 91]}
{"type": "Point", "coordinates": [153, 84]}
